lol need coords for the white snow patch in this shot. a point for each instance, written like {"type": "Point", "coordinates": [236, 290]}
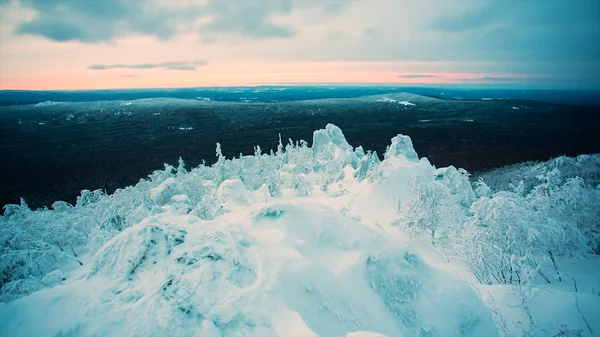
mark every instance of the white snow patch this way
{"type": "Point", "coordinates": [46, 103]}
{"type": "Point", "coordinates": [390, 100]}
{"type": "Point", "coordinates": [364, 334]}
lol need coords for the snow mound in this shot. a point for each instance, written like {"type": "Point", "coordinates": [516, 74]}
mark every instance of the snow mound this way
{"type": "Point", "coordinates": [162, 193]}
{"type": "Point", "coordinates": [233, 193]}
{"type": "Point", "coordinates": [330, 144]}
{"type": "Point", "coordinates": [258, 271]}
{"type": "Point", "coordinates": [402, 146]}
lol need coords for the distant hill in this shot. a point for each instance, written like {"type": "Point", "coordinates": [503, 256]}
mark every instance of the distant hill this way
{"type": "Point", "coordinates": [297, 93]}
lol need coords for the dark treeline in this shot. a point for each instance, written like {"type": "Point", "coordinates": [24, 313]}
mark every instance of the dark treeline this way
{"type": "Point", "coordinates": [52, 152]}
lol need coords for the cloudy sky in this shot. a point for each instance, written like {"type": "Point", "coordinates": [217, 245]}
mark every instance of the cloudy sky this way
{"type": "Point", "coordinates": [85, 44]}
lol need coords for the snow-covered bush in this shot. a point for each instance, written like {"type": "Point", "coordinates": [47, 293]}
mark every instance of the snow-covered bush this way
{"type": "Point", "coordinates": [511, 235]}
{"type": "Point", "coordinates": [434, 210]}
{"type": "Point", "coordinates": [586, 167]}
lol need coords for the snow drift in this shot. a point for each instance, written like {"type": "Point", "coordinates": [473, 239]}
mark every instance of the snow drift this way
{"type": "Point", "coordinates": [306, 241]}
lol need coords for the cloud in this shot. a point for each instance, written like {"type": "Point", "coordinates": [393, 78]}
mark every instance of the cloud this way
{"type": "Point", "coordinates": [532, 31]}
{"type": "Point", "coordinates": [333, 35]}
{"type": "Point", "coordinates": [417, 76]}
{"type": "Point", "coordinates": [371, 30]}
{"type": "Point", "coordinates": [95, 21]}
{"type": "Point", "coordinates": [262, 19]}
{"type": "Point", "coordinates": [470, 19]}
{"type": "Point", "coordinates": [209, 40]}
{"type": "Point", "coordinates": [492, 79]}
{"type": "Point", "coordinates": [200, 63]}
{"type": "Point", "coordinates": [128, 75]}
{"type": "Point", "coordinates": [249, 18]}
{"type": "Point", "coordinates": [497, 78]}
{"type": "Point", "coordinates": [180, 67]}
{"type": "Point", "coordinates": [163, 65]}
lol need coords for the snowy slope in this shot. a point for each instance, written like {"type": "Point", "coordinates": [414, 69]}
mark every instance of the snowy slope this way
{"type": "Point", "coordinates": [322, 241]}
{"type": "Point", "coordinates": [293, 268]}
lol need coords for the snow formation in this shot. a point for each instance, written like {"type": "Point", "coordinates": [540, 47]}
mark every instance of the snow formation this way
{"type": "Point", "coordinates": [307, 241]}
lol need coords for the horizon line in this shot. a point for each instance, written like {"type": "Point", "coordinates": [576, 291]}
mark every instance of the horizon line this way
{"type": "Point", "coordinates": [486, 86]}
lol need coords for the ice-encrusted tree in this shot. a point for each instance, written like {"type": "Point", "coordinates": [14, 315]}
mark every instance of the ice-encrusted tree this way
{"type": "Point", "coordinates": [497, 240]}
{"type": "Point", "coordinates": [434, 210]}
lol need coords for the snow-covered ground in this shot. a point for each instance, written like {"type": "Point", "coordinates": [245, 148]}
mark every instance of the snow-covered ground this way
{"type": "Point", "coordinates": [391, 100]}
{"type": "Point", "coordinates": [308, 241]}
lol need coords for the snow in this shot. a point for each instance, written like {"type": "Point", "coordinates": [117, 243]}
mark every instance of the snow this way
{"type": "Point", "coordinates": [364, 334]}
{"type": "Point", "coordinates": [552, 309]}
{"type": "Point", "coordinates": [310, 271]}
{"type": "Point", "coordinates": [163, 192]}
{"type": "Point", "coordinates": [233, 193]}
{"type": "Point", "coordinates": [391, 100]}
{"type": "Point", "coordinates": [401, 147]}
{"type": "Point", "coordinates": [45, 104]}
{"type": "Point", "coordinates": [310, 241]}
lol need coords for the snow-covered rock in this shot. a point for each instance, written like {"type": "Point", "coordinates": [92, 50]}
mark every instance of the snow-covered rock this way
{"type": "Point", "coordinates": [330, 144]}
{"type": "Point", "coordinates": [54, 278]}
{"type": "Point", "coordinates": [401, 146]}
{"type": "Point", "coordinates": [233, 193]}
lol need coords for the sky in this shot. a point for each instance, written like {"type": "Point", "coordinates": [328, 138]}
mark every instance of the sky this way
{"type": "Point", "coordinates": [97, 44]}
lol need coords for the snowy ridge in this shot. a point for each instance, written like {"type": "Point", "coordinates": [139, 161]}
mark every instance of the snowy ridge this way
{"type": "Point", "coordinates": [307, 241]}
